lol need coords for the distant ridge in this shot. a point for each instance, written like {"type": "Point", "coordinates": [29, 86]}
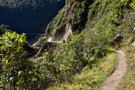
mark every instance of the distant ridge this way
{"type": "Point", "coordinates": [29, 16]}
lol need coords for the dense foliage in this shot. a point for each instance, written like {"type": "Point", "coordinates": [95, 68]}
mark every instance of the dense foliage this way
{"type": "Point", "coordinates": [98, 21]}
{"type": "Point", "coordinates": [16, 70]}
{"type": "Point", "coordinates": [128, 79]}
{"type": "Point", "coordinates": [72, 57]}
{"type": "Point", "coordinates": [99, 15]}
{"type": "Point", "coordinates": [80, 51]}
{"type": "Point", "coordinates": [90, 78]}
{"type": "Point", "coordinates": [74, 12]}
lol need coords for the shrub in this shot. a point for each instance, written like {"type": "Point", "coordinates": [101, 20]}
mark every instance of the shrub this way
{"type": "Point", "coordinates": [17, 71]}
{"type": "Point", "coordinates": [71, 58]}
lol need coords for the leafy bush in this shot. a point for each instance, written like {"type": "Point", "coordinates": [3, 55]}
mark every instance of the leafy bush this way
{"type": "Point", "coordinates": [70, 59]}
{"type": "Point", "coordinates": [17, 71]}
{"type": "Point", "coordinates": [66, 62]}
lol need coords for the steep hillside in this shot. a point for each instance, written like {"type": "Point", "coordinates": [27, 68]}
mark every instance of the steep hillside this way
{"type": "Point", "coordinates": [110, 16]}
{"type": "Point", "coordinates": [74, 12]}
{"type": "Point", "coordinates": [29, 16]}
{"type": "Point", "coordinates": [94, 25]}
{"type": "Point", "coordinates": [81, 61]}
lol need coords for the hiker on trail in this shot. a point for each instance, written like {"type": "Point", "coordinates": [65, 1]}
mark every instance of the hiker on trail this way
{"type": "Point", "coordinates": [118, 38]}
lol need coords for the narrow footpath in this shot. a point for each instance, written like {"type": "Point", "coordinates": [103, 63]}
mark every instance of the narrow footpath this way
{"type": "Point", "coordinates": [114, 79]}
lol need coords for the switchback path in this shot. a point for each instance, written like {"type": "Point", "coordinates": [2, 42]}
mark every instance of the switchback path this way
{"type": "Point", "coordinates": [113, 80]}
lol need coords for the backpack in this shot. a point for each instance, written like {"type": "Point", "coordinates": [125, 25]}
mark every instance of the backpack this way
{"type": "Point", "coordinates": [118, 38]}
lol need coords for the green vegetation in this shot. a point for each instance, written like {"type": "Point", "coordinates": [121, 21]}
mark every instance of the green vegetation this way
{"type": "Point", "coordinates": [84, 61]}
{"type": "Point", "coordinates": [90, 78]}
{"type": "Point", "coordinates": [102, 20]}
{"type": "Point", "coordinates": [82, 50]}
{"type": "Point", "coordinates": [128, 81]}
{"type": "Point", "coordinates": [71, 58]}
{"type": "Point", "coordinates": [101, 15]}
{"type": "Point", "coordinates": [74, 12]}
{"type": "Point", "coordinates": [16, 70]}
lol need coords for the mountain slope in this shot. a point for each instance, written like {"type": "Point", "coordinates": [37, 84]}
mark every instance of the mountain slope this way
{"type": "Point", "coordinates": [97, 21]}
{"type": "Point", "coordinates": [110, 16]}
{"type": "Point", "coordinates": [89, 52]}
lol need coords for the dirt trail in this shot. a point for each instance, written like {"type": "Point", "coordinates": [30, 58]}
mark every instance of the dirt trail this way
{"type": "Point", "coordinates": [113, 80]}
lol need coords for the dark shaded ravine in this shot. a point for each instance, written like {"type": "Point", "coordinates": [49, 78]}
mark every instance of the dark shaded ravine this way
{"type": "Point", "coordinates": [29, 16]}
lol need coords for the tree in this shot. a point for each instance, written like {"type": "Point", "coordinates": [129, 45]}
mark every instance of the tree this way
{"type": "Point", "coordinates": [16, 69]}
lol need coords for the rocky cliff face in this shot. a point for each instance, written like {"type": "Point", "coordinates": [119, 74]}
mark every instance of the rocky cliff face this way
{"type": "Point", "coordinates": [29, 16]}
{"type": "Point", "coordinates": [75, 13]}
